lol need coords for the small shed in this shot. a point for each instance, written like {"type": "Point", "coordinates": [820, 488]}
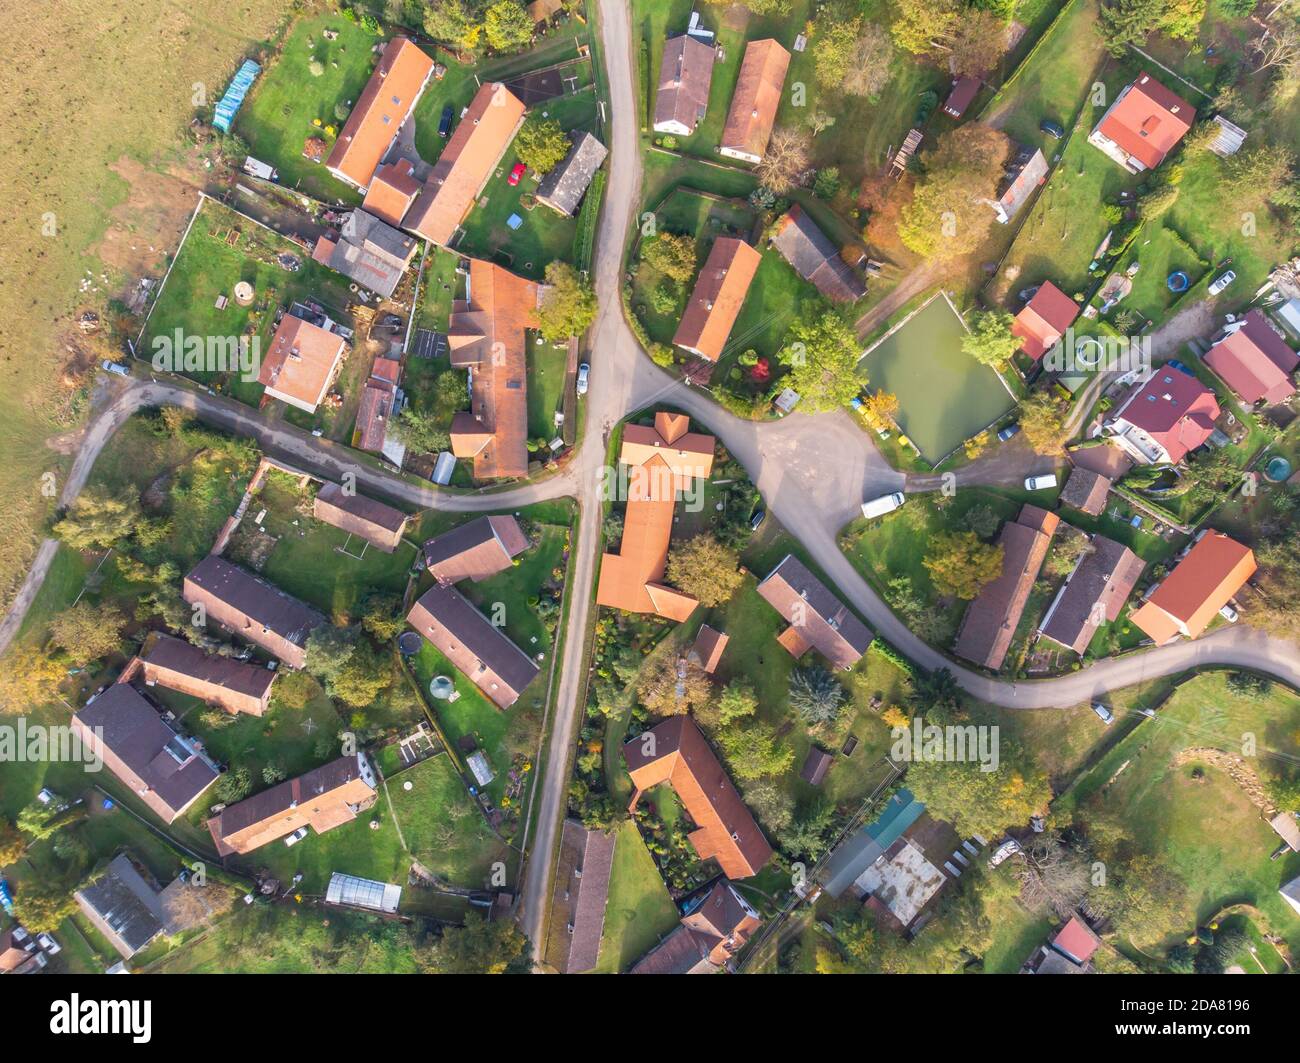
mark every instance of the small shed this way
{"type": "Point", "coordinates": [816, 766]}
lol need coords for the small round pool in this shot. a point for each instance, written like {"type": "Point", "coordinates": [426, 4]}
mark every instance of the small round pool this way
{"type": "Point", "coordinates": [1178, 281]}
{"type": "Point", "coordinates": [1277, 470]}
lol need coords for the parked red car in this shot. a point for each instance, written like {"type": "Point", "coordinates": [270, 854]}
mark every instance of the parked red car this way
{"type": "Point", "coordinates": [518, 172]}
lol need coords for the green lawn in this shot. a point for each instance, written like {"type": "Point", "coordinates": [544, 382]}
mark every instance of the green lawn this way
{"type": "Point", "coordinates": [547, 373]}
{"type": "Point", "coordinates": [1160, 251]}
{"type": "Point", "coordinates": [287, 100]}
{"type": "Point", "coordinates": [639, 912]}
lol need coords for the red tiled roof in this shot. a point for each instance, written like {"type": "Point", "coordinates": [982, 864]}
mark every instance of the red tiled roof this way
{"type": "Point", "coordinates": [719, 294]}
{"type": "Point", "coordinates": [392, 191]}
{"type": "Point", "coordinates": [1147, 121]}
{"type": "Point", "coordinates": [1255, 361]}
{"type": "Point", "coordinates": [372, 415]}
{"type": "Point", "coordinates": [1044, 319]}
{"type": "Point", "coordinates": [756, 99]}
{"type": "Point", "coordinates": [1174, 409]}
{"type": "Point", "coordinates": [301, 362]}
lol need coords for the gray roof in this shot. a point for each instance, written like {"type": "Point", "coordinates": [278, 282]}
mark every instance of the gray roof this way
{"type": "Point", "coordinates": [586, 862]}
{"type": "Point", "coordinates": [378, 238]}
{"type": "Point", "coordinates": [1098, 587]}
{"type": "Point", "coordinates": [685, 74]}
{"type": "Point", "coordinates": [1027, 172]}
{"type": "Point", "coordinates": [825, 622]}
{"type": "Point", "coordinates": [815, 258]}
{"type": "Point", "coordinates": [123, 907]}
{"type": "Point", "coordinates": [565, 185]}
{"type": "Point", "coordinates": [371, 252]}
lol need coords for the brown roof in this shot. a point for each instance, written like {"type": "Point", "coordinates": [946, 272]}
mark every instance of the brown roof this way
{"type": "Point", "coordinates": [685, 74]}
{"type": "Point", "coordinates": [990, 621]}
{"type": "Point", "coordinates": [688, 455]}
{"type": "Point", "coordinates": [234, 685]}
{"type": "Point", "coordinates": [815, 258]}
{"type": "Point", "coordinates": [708, 647]}
{"type": "Point", "coordinates": [466, 163]}
{"type": "Point", "coordinates": [724, 920]}
{"type": "Point", "coordinates": [1095, 591]}
{"type": "Point", "coordinates": [476, 550]}
{"type": "Point", "coordinates": [478, 648]}
{"type": "Point", "coordinates": [816, 615]}
{"type": "Point", "coordinates": [964, 90]}
{"type": "Point", "coordinates": [377, 523]}
{"type": "Point", "coordinates": [324, 798]}
{"type": "Point", "coordinates": [253, 609]}
{"type": "Point", "coordinates": [165, 771]}
{"type": "Point", "coordinates": [385, 104]}
{"type": "Point", "coordinates": [1214, 569]}
{"type": "Point", "coordinates": [392, 191]}
{"type": "Point", "coordinates": [487, 334]}
{"type": "Point", "coordinates": [1043, 320]}
{"type": "Point", "coordinates": [682, 952]}
{"type": "Point", "coordinates": [815, 767]}
{"type": "Point", "coordinates": [581, 892]}
{"type": "Point", "coordinates": [1147, 120]}
{"type": "Point", "coordinates": [1255, 361]}
{"type": "Point", "coordinates": [719, 294]}
{"type": "Point", "coordinates": [1086, 491]}
{"type": "Point", "coordinates": [301, 362]}
{"type": "Point", "coordinates": [373, 415]}
{"type": "Point", "coordinates": [682, 758]}
{"type": "Point", "coordinates": [756, 100]}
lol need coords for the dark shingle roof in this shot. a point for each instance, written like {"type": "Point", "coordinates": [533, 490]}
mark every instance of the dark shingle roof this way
{"type": "Point", "coordinates": [824, 622]}
{"type": "Point", "coordinates": [815, 258]}
{"type": "Point", "coordinates": [565, 185]}
{"type": "Point", "coordinates": [123, 906]}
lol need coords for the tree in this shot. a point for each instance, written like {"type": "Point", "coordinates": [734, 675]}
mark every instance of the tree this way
{"type": "Point", "coordinates": [1054, 875]}
{"type": "Point", "coordinates": [670, 686]}
{"type": "Point", "coordinates": [977, 801]}
{"type": "Point", "coordinates": [454, 21]}
{"type": "Point", "coordinates": [12, 844]}
{"type": "Point", "coordinates": [789, 152]}
{"type": "Point", "coordinates": [40, 821]}
{"type": "Point", "coordinates": [569, 305]}
{"type": "Point", "coordinates": [99, 518]}
{"type": "Point", "coordinates": [421, 430]}
{"type": "Point", "coordinates": [755, 751]}
{"type": "Point", "coordinates": [870, 64]}
{"type": "Point", "coordinates": [978, 44]}
{"type": "Point", "coordinates": [822, 353]}
{"type": "Point", "coordinates": [771, 803]}
{"type": "Point", "coordinates": [705, 569]}
{"type": "Point", "coordinates": [919, 24]}
{"type": "Point", "coordinates": [480, 947]}
{"type": "Point", "coordinates": [816, 695]}
{"type": "Point", "coordinates": [961, 565]}
{"type": "Point", "coordinates": [1043, 417]}
{"type": "Point", "coordinates": [42, 905]}
{"type": "Point", "coordinates": [541, 144]}
{"type": "Point", "coordinates": [507, 26]}
{"type": "Point", "coordinates": [671, 254]}
{"type": "Point", "coordinates": [233, 786]}
{"type": "Point", "coordinates": [382, 617]}
{"type": "Point", "coordinates": [328, 649]}
{"type": "Point", "coordinates": [1277, 607]}
{"type": "Point", "coordinates": [1125, 22]}
{"type": "Point", "coordinates": [1152, 204]}
{"type": "Point", "coordinates": [88, 632]}
{"type": "Point", "coordinates": [989, 340]}
{"type": "Point", "coordinates": [1257, 175]}
{"type": "Point", "coordinates": [1142, 896]}
{"type": "Point", "coordinates": [364, 674]}
{"type": "Point", "coordinates": [29, 678]}
{"type": "Point", "coordinates": [736, 701]}
{"type": "Point", "coordinates": [827, 182]}
{"type": "Point", "coordinates": [1181, 19]}
{"type": "Point", "coordinates": [982, 520]}
{"type": "Point", "coordinates": [880, 408]}
{"type": "Point", "coordinates": [948, 215]}
{"type": "Point", "coordinates": [833, 52]}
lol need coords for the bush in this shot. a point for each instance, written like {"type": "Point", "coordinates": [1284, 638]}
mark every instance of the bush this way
{"type": "Point", "coordinates": [316, 68]}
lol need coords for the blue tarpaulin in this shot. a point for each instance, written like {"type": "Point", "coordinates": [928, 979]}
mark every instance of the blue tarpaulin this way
{"type": "Point", "coordinates": [238, 89]}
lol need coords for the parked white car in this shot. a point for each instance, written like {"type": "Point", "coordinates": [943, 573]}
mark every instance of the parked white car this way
{"type": "Point", "coordinates": [1216, 286]}
{"type": "Point", "coordinates": [1103, 713]}
{"type": "Point", "coordinates": [583, 371]}
{"type": "Point", "coordinates": [878, 507]}
{"type": "Point", "coordinates": [1228, 613]}
{"type": "Point", "coordinates": [296, 836]}
{"type": "Point", "coordinates": [1040, 483]}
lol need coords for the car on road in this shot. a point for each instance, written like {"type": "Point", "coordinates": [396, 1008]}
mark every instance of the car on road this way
{"type": "Point", "coordinates": [317, 432]}
{"type": "Point", "coordinates": [1228, 613]}
{"type": "Point", "coordinates": [583, 371]}
{"type": "Point", "coordinates": [518, 170]}
{"type": "Point", "coordinates": [878, 507]}
{"type": "Point", "coordinates": [444, 123]}
{"type": "Point", "coordinates": [1006, 433]}
{"type": "Point", "coordinates": [1041, 482]}
{"type": "Point", "coordinates": [1216, 286]}
{"type": "Point", "coordinates": [1053, 129]}
{"type": "Point", "coordinates": [1106, 716]}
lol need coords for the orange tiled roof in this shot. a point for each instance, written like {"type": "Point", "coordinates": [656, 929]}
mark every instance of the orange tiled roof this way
{"type": "Point", "coordinates": [757, 98]}
{"type": "Point", "coordinates": [1043, 319]}
{"type": "Point", "coordinates": [301, 362]}
{"type": "Point", "coordinates": [719, 294]}
{"type": "Point", "coordinates": [1213, 571]}
{"type": "Point", "coordinates": [392, 191]}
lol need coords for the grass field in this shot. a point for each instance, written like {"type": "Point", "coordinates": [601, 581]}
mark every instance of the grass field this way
{"type": "Point", "coordinates": [639, 912]}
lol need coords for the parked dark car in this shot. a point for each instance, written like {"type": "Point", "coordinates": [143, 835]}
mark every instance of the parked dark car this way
{"type": "Point", "coordinates": [1053, 129]}
{"type": "Point", "coordinates": [1008, 432]}
{"type": "Point", "coordinates": [444, 123]}
{"type": "Point", "coordinates": [756, 521]}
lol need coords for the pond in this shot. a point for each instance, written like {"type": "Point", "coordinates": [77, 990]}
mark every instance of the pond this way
{"type": "Point", "coordinates": [944, 395]}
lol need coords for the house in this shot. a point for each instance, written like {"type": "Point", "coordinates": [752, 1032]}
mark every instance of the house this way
{"type": "Point", "coordinates": [162, 768]}
{"type": "Point", "coordinates": [818, 620]}
{"type": "Point", "coordinates": [1291, 894]}
{"type": "Point", "coordinates": [815, 258]}
{"type": "Point", "coordinates": [378, 524]}
{"type": "Point", "coordinates": [301, 363]}
{"type": "Point", "coordinates": [724, 828]}
{"type": "Point", "coordinates": [991, 619]}
{"type": "Point", "coordinates": [580, 895]}
{"type": "Point", "coordinates": [122, 906]}
{"type": "Point", "coordinates": [964, 91]}
{"type": "Point", "coordinates": [685, 74]}
{"type": "Point", "coordinates": [563, 188]}
{"type": "Point", "coordinates": [1086, 491]}
{"type": "Point", "coordinates": [1287, 827]}
{"type": "Point", "coordinates": [479, 649]}
{"type": "Point", "coordinates": [1143, 125]}
{"type": "Point", "coordinates": [1043, 320]}
{"type": "Point", "coordinates": [1093, 594]}
{"type": "Point", "coordinates": [755, 101]}
{"type": "Point", "coordinates": [661, 460]}
{"type": "Point", "coordinates": [1209, 574]}
{"type": "Point", "coordinates": [475, 149]}
{"type": "Point", "coordinates": [708, 647]}
{"type": "Point", "coordinates": [235, 686]}
{"type": "Point", "coordinates": [324, 798]}
{"type": "Point", "coordinates": [1255, 361]}
{"type": "Point", "coordinates": [714, 929]}
{"type": "Point", "coordinates": [719, 294]}
{"type": "Point", "coordinates": [487, 336]}
{"type": "Point", "coordinates": [392, 191]}
{"type": "Point", "coordinates": [1068, 951]}
{"type": "Point", "coordinates": [369, 251]}
{"type": "Point", "coordinates": [249, 607]}
{"type": "Point", "coordinates": [378, 405]}
{"type": "Point", "coordinates": [383, 108]}
{"type": "Point", "coordinates": [476, 550]}
{"type": "Point", "coordinates": [1162, 422]}
{"type": "Point", "coordinates": [1028, 170]}
{"type": "Point", "coordinates": [815, 766]}
{"type": "Point", "coordinates": [20, 953]}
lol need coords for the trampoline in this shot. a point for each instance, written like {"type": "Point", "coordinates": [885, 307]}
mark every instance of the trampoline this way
{"type": "Point", "coordinates": [1178, 281]}
{"type": "Point", "coordinates": [1277, 470]}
